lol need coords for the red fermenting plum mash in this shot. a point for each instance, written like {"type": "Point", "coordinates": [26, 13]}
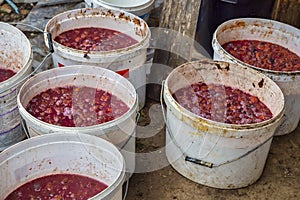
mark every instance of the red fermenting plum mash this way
{"type": "Point", "coordinates": [95, 39]}
{"type": "Point", "coordinates": [58, 187]}
{"type": "Point", "coordinates": [6, 74]}
{"type": "Point", "coordinates": [222, 104]}
{"type": "Point", "coordinates": [73, 106]}
{"type": "Point", "coordinates": [264, 55]}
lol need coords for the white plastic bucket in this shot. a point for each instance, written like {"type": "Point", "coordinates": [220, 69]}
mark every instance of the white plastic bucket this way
{"type": "Point", "coordinates": [63, 153]}
{"type": "Point", "coordinates": [141, 8]}
{"type": "Point", "coordinates": [128, 61]}
{"type": "Point", "coordinates": [269, 31]}
{"type": "Point", "coordinates": [15, 54]}
{"type": "Point", "coordinates": [120, 131]}
{"type": "Point", "coordinates": [212, 153]}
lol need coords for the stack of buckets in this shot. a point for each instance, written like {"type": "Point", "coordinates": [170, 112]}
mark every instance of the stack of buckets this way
{"type": "Point", "coordinates": [16, 55]}
{"type": "Point", "coordinates": [141, 8]}
{"type": "Point", "coordinates": [109, 147]}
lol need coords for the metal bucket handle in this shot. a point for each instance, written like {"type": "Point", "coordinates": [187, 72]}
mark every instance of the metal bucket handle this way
{"type": "Point", "coordinates": [126, 189]}
{"type": "Point", "coordinates": [230, 1]}
{"type": "Point", "coordinates": [51, 50]}
{"type": "Point", "coordinates": [196, 160]}
{"type": "Point", "coordinates": [25, 128]}
{"type": "Point", "coordinates": [136, 122]}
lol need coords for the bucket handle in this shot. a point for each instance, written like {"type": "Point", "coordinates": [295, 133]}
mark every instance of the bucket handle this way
{"type": "Point", "coordinates": [136, 121]}
{"type": "Point", "coordinates": [25, 128]}
{"type": "Point", "coordinates": [196, 160]}
{"type": "Point", "coordinates": [230, 1]}
{"type": "Point", "coordinates": [126, 189]}
{"type": "Point", "coordinates": [51, 50]}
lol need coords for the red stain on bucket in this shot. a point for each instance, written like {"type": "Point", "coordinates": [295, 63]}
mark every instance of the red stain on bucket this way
{"type": "Point", "coordinates": [124, 73]}
{"type": "Point", "coordinates": [60, 65]}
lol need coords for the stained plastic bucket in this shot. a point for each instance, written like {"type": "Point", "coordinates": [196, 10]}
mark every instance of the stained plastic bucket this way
{"type": "Point", "coordinates": [141, 8]}
{"type": "Point", "coordinates": [212, 153]}
{"type": "Point", "coordinates": [120, 131]}
{"type": "Point", "coordinates": [15, 54]}
{"type": "Point", "coordinates": [268, 31]}
{"type": "Point", "coordinates": [128, 62]}
{"type": "Point", "coordinates": [63, 153]}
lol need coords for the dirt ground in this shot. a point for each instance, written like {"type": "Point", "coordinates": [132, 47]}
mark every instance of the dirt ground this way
{"type": "Point", "coordinates": [280, 179]}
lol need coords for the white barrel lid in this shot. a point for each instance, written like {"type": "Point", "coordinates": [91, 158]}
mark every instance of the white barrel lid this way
{"type": "Point", "coordinates": [124, 3]}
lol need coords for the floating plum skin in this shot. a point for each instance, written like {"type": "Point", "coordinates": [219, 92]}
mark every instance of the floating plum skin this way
{"type": "Point", "coordinates": [5, 74]}
{"type": "Point", "coordinates": [222, 104]}
{"type": "Point", "coordinates": [58, 186]}
{"type": "Point", "coordinates": [72, 106]}
{"type": "Point", "coordinates": [263, 55]}
{"type": "Point", "coordinates": [95, 39]}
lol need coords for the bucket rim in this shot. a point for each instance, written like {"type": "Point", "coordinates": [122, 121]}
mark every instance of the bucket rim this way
{"type": "Point", "coordinates": [220, 125]}
{"type": "Point", "coordinates": [248, 21]}
{"type": "Point", "coordinates": [132, 108]}
{"type": "Point", "coordinates": [22, 71]}
{"type": "Point", "coordinates": [70, 137]}
{"type": "Point", "coordinates": [102, 12]}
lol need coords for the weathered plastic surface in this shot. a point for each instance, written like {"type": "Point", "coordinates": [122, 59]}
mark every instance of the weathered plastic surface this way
{"type": "Point", "coordinates": [63, 153]}
{"type": "Point", "coordinates": [130, 59]}
{"type": "Point", "coordinates": [269, 31]}
{"type": "Point", "coordinates": [15, 54]}
{"type": "Point", "coordinates": [141, 8]}
{"type": "Point", "coordinates": [215, 142]}
{"type": "Point", "coordinates": [120, 131]}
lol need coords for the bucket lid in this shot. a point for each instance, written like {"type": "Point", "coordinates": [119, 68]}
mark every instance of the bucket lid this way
{"type": "Point", "coordinates": [125, 4]}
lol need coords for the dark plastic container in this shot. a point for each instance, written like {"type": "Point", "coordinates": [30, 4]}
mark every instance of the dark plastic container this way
{"type": "Point", "coordinates": [215, 12]}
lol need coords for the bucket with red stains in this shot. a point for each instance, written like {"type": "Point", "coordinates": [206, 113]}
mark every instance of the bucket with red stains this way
{"type": "Point", "coordinates": [220, 119]}
{"type": "Point", "coordinates": [270, 47]}
{"type": "Point", "coordinates": [112, 39]}
{"type": "Point", "coordinates": [62, 166]}
{"type": "Point", "coordinates": [15, 65]}
{"type": "Point", "coordinates": [82, 99]}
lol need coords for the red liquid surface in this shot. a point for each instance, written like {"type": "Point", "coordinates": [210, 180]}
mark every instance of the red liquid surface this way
{"type": "Point", "coordinates": [264, 55]}
{"type": "Point", "coordinates": [76, 106]}
{"type": "Point", "coordinates": [58, 187]}
{"type": "Point", "coordinates": [222, 104]}
{"type": "Point", "coordinates": [95, 39]}
{"type": "Point", "coordinates": [6, 74]}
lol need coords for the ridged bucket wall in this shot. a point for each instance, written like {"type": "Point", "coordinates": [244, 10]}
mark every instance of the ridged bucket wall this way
{"type": "Point", "coordinates": [268, 31]}
{"type": "Point", "coordinates": [120, 131]}
{"type": "Point", "coordinates": [15, 54]}
{"type": "Point", "coordinates": [62, 153]}
{"type": "Point", "coordinates": [128, 61]}
{"type": "Point", "coordinates": [218, 154]}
